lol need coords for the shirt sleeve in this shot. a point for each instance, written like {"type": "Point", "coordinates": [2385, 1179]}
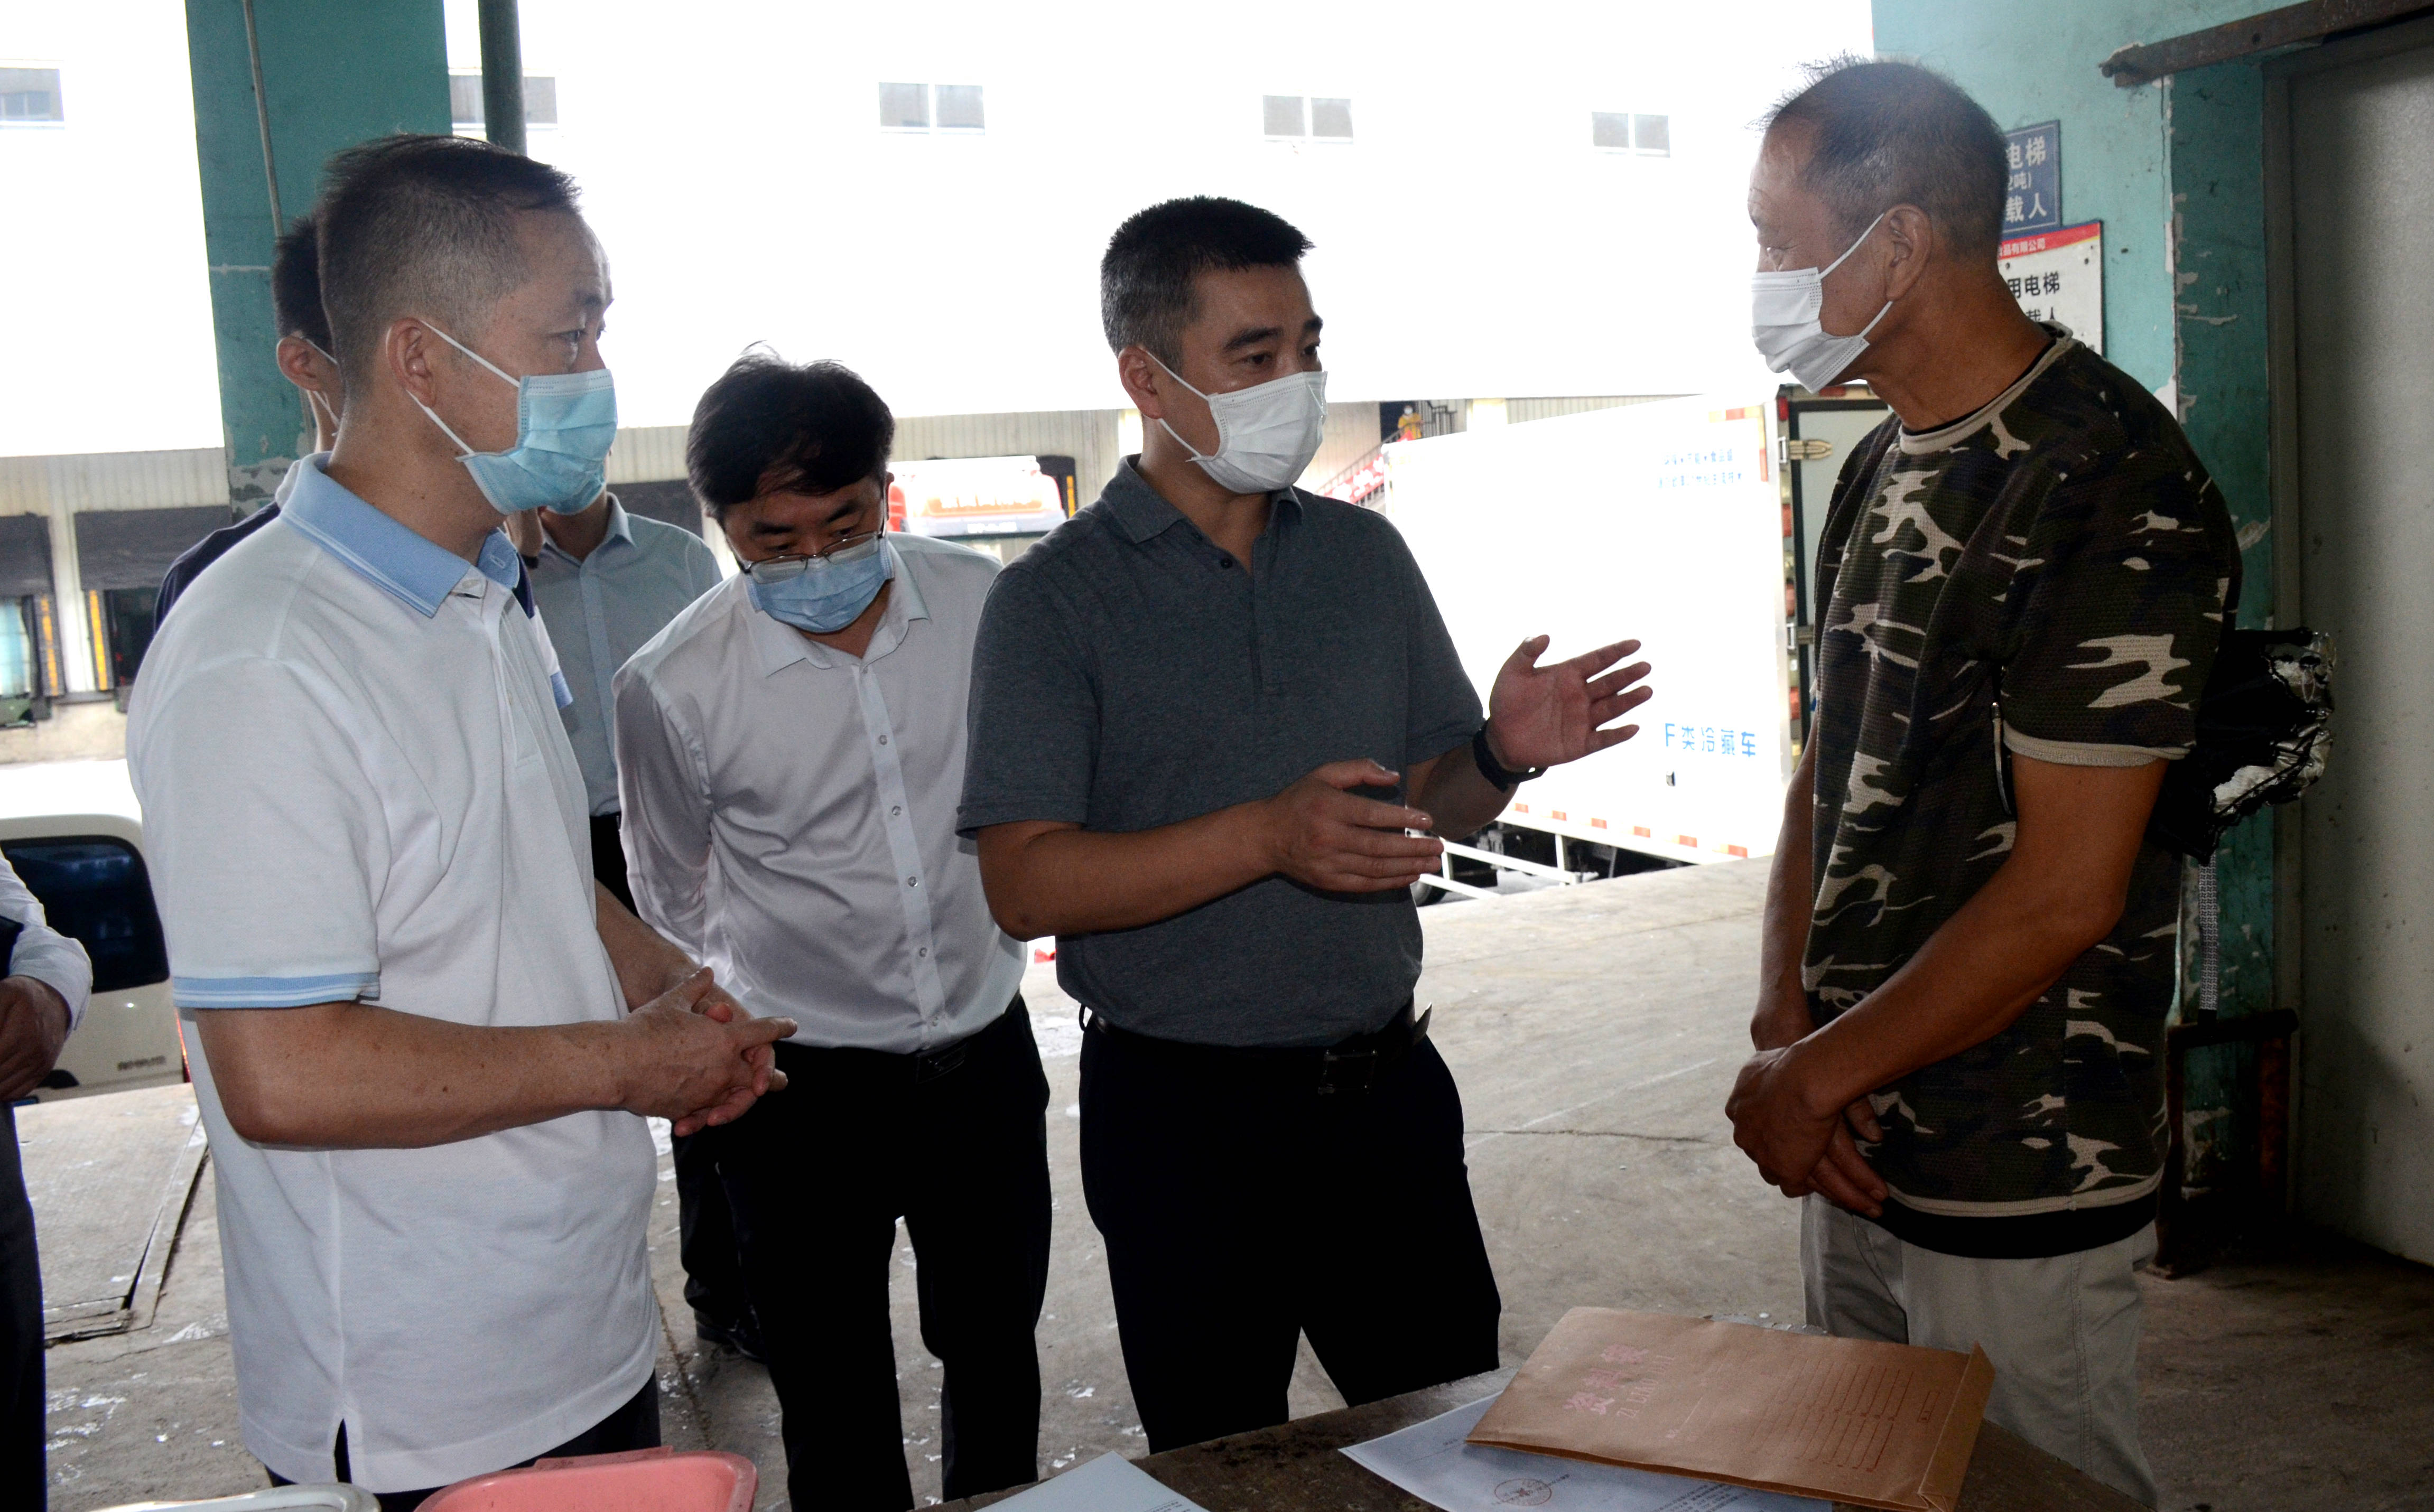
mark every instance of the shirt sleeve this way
{"type": "Point", "coordinates": [41, 952]}
{"type": "Point", "coordinates": [1442, 709]}
{"type": "Point", "coordinates": [667, 813]}
{"type": "Point", "coordinates": [1034, 742]}
{"type": "Point", "coordinates": [2121, 606]}
{"type": "Point", "coordinates": [265, 836]}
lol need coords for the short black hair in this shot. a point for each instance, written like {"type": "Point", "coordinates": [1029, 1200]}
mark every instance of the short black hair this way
{"type": "Point", "coordinates": [295, 284]}
{"type": "Point", "coordinates": [768, 424]}
{"type": "Point", "coordinates": [1893, 133]}
{"type": "Point", "coordinates": [1145, 297]}
{"type": "Point", "coordinates": [424, 226]}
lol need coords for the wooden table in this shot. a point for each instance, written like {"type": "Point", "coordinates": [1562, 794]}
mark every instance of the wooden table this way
{"type": "Point", "coordinates": [1296, 1467]}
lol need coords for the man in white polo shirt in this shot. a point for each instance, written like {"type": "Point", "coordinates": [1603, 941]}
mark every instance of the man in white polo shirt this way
{"type": "Point", "coordinates": [408, 1001]}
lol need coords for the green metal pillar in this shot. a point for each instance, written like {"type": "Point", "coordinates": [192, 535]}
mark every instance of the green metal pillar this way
{"type": "Point", "coordinates": [280, 85]}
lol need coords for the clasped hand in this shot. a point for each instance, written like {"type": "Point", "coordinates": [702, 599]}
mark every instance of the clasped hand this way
{"type": "Point", "coordinates": [705, 1060]}
{"type": "Point", "coordinates": [1797, 1146]}
{"type": "Point", "coordinates": [33, 1025]}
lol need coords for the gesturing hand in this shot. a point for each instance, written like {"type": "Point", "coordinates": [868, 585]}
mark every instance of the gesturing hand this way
{"type": "Point", "coordinates": [1333, 840]}
{"type": "Point", "coordinates": [1543, 715]}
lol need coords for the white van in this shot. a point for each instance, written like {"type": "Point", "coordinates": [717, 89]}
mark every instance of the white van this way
{"type": "Point", "coordinates": [74, 834]}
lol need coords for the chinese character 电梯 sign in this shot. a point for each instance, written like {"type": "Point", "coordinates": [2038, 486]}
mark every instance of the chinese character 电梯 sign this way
{"type": "Point", "coordinates": [2059, 276]}
{"type": "Point", "coordinates": [2032, 187]}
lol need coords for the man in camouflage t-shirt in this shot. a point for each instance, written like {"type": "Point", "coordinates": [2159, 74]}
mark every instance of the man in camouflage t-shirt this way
{"type": "Point", "coordinates": [2053, 566]}
{"type": "Point", "coordinates": [1969, 948]}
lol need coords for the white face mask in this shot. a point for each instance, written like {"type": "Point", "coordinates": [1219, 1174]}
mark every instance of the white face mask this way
{"type": "Point", "coordinates": [1784, 308]}
{"type": "Point", "coordinates": [1266, 433]}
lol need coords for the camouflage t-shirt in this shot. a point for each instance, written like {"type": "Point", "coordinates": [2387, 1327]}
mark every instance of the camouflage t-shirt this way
{"type": "Point", "coordinates": [2064, 552]}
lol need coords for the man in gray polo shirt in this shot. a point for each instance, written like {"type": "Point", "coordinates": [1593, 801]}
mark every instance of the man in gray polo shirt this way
{"type": "Point", "coordinates": [1204, 713]}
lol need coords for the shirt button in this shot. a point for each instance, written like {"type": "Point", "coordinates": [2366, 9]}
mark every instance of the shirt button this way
{"type": "Point", "coordinates": [883, 740]}
{"type": "Point", "coordinates": [911, 881]}
{"type": "Point", "coordinates": [896, 812]}
{"type": "Point", "coordinates": [1225, 561]}
{"type": "Point", "coordinates": [923, 952]}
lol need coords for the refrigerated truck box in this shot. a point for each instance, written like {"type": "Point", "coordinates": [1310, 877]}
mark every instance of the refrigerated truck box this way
{"type": "Point", "coordinates": [1661, 522]}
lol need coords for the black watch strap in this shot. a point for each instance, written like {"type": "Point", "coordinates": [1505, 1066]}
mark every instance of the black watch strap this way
{"type": "Point", "coordinates": [1500, 776]}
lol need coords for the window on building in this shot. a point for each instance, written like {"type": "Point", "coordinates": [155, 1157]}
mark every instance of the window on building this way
{"type": "Point", "coordinates": [904, 107]}
{"type": "Point", "coordinates": [1650, 136]}
{"type": "Point", "coordinates": [925, 108]}
{"type": "Point", "coordinates": [1292, 117]}
{"type": "Point", "coordinates": [465, 100]}
{"type": "Point", "coordinates": [30, 95]}
{"type": "Point", "coordinates": [959, 107]}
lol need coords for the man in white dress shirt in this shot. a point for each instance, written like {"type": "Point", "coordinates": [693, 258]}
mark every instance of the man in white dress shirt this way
{"type": "Point", "coordinates": [791, 752]}
{"type": "Point", "coordinates": [45, 978]}
{"type": "Point", "coordinates": [605, 582]}
{"type": "Point", "coordinates": [421, 1035]}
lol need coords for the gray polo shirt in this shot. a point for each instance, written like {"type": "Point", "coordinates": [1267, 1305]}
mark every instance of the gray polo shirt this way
{"type": "Point", "coordinates": [1130, 675]}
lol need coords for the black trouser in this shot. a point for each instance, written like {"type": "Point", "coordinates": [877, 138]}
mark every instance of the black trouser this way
{"type": "Point", "coordinates": [957, 1143]}
{"type": "Point", "coordinates": [1242, 1207]}
{"type": "Point", "coordinates": [609, 857]}
{"type": "Point", "coordinates": [706, 1234]}
{"type": "Point", "coordinates": [23, 1481]}
{"type": "Point", "coordinates": [635, 1425]}
{"type": "Point", "coordinates": [713, 1265]}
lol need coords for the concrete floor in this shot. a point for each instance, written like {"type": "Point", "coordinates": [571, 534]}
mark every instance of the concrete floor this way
{"type": "Point", "coordinates": [1595, 1031]}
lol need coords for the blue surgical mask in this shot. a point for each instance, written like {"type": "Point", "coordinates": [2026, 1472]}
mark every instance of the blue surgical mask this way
{"type": "Point", "coordinates": [828, 593]}
{"type": "Point", "coordinates": [565, 423]}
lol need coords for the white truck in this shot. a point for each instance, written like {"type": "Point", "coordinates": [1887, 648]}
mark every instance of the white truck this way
{"type": "Point", "coordinates": [1665, 522]}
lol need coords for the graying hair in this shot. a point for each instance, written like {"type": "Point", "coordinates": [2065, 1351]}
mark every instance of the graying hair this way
{"type": "Point", "coordinates": [1893, 133]}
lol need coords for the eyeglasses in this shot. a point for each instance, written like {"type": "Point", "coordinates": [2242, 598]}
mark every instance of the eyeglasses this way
{"type": "Point", "coordinates": [787, 569]}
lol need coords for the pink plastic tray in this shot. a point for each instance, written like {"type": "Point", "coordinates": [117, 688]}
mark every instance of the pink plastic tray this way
{"type": "Point", "coordinates": [646, 1479]}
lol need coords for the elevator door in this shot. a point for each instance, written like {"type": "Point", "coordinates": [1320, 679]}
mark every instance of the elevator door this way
{"type": "Point", "coordinates": [2361, 198]}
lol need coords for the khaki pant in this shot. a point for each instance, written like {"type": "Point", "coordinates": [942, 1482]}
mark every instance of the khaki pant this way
{"type": "Point", "coordinates": [2062, 1333]}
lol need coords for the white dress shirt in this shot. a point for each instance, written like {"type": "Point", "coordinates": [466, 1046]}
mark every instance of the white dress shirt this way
{"type": "Point", "coordinates": [790, 810]}
{"type": "Point", "coordinates": [43, 953]}
{"type": "Point", "coordinates": [355, 787]}
{"type": "Point", "coordinates": [600, 609]}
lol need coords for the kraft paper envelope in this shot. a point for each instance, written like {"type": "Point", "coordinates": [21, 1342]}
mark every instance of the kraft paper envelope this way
{"type": "Point", "coordinates": [1877, 1425]}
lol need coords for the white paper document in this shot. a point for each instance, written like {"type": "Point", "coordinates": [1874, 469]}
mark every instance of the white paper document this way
{"type": "Point", "coordinates": [1432, 1461]}
{"type": "Point", "coordinates": [1109, 1483]}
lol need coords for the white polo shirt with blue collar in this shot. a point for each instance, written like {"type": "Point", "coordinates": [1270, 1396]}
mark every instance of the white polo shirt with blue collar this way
{"type": "Point", "coordinates": [356, 786]}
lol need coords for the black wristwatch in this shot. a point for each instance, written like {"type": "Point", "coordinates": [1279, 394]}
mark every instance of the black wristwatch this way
{"type": "Point", "coordinates": [1500, 776]}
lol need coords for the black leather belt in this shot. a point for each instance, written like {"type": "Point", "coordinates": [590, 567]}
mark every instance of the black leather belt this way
{"type": "Point", "coordinates": [1352, 1065]}
{"type": "Point", "coordinates": [936, 1064]}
